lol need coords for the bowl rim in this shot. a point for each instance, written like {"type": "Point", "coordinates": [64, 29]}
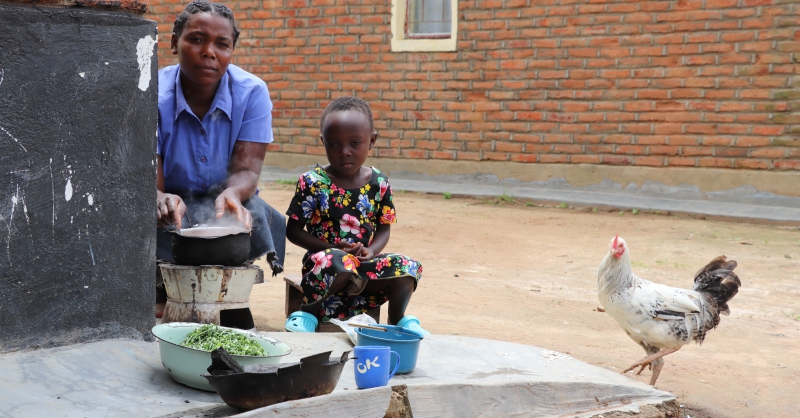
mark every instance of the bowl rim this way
{"type": "Point", "coordinates": [360, 331]}
{"type": "Point", "coordinates": [248, 333]}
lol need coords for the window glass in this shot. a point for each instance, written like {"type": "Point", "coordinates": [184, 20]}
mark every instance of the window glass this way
{"type": "Point", "coordinates": [428, 18]}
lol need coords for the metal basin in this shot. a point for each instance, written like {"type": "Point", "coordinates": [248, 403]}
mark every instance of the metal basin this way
{"type": "Point", "coordinates": [187, 365]}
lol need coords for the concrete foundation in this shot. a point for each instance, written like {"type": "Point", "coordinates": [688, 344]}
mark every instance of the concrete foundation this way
{"type": "Point", "coordinates": [455, 377]}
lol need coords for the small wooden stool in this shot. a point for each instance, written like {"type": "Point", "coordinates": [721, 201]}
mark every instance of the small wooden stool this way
{"type": "Point", "coordinates": [294, 298]}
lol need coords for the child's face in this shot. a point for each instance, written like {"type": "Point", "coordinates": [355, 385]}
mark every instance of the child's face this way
{"type": "Point", "coordinates": [347, 140]}
{"type": "Point", "coordinates": [204, 48]}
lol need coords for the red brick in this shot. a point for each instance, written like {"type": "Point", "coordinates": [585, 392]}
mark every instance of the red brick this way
{"type": "Point", "coordinates": [787, 165]}
{"type": "Point", "coordinates": [714, 162]}
{"type": "Point", "coordinates": [695, 151]}
{"type": "Point", "coordinates": [753, 164]}
{"type": "Point", "coordinates": [584, 159]}
{"type": "Point", "coordinates": [553, 158]}
{"type": "Point", "coordinates": [616, 160]}
{"type": "Point", "coordinates": [767, 152]}
{"type": "Point", "coordinates": [649, 161]}
{"type": "Point", "coordinates": [681, 162]}
{"type": "Point", "coordinates": [524, 158]}
{"type": "Point", "coordinates": [731, 152]}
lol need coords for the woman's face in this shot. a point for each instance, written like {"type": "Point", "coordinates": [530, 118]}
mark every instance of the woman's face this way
{"type": "Point", "coordinates": [204, 48]}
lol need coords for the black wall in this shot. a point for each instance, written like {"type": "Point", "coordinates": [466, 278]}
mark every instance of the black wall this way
{"type": "Point", "coordinates": [80, 266]}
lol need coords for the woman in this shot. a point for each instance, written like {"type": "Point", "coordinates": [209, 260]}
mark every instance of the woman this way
{"type": "Point", "coordinates": [214, 125]}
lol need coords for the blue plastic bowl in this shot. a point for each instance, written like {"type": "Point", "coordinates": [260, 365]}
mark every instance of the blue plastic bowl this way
{"type": "Point", "coordinates": [402, 340]}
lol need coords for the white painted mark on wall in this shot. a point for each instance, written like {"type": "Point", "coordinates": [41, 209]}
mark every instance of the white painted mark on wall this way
{"type": "Point", "coordinates": [15, 139]}
{"type": "Point", "coordinates": [144, 52]}
{"type": "Point", "coordinates": [25, 210]}
{"type": "Point", "coordinates": [2, 76]}
{"type": "Point", "coordinates": [68, 190]}
{"type": "Point", "coordinates": [14, 201]}
{"type": "Point", "coordinates": [53, 192]}
{"type": "Point", "coordinates": [8, 240]}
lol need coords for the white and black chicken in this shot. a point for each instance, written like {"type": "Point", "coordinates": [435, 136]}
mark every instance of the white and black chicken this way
{"type": "Point", "coordinates": [660, 318]}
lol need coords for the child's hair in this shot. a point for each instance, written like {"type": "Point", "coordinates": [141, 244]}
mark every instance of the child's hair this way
{"type": "Point", "coordinates": [202, 6]}
{"type": "Point", "coordinates": [345, 103]}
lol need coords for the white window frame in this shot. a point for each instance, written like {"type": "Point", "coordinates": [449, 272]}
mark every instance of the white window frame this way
{"type": "Point", "coordinates": [402, 44]}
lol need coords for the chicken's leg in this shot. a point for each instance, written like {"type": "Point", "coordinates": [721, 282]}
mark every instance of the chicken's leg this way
{"type": "Point", "coordinates": [656, 366]}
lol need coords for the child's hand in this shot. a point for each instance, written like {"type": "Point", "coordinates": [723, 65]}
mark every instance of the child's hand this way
{"type": "Point", "coordinates": [349, 248]}
{"type": "Point", "coordinates": [365, 255]}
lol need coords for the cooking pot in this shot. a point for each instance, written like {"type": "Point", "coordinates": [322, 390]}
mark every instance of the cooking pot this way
{"type": "Point", "coordinates": [211, 245]}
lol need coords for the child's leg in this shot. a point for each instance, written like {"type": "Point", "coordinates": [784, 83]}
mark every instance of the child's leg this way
{"type": "Point", "coordinates": [338, 284]}
{"type": "Point", "coordinates": [399, 290]}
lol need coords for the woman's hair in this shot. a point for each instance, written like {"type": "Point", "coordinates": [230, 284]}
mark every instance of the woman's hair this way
{"type": "Point", "coordinates": [345, 103]}
{"type": "Point", "coordinates": [202, 6]}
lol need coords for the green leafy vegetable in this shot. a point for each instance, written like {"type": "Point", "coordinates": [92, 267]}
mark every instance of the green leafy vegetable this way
{"type": "Point", "coordinates": [210, 337]}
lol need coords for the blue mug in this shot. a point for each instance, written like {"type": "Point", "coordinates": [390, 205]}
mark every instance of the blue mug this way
{"type": "Point", "coordinates": [372, 365]}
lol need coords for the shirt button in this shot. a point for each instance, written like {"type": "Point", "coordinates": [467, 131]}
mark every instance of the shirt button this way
{"type": "Point", "coordinates": [203, 159]}
{"type": "Point", "coordinates": [203, 131]}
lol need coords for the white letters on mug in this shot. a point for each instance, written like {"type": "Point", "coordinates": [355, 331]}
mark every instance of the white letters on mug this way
{"type": "Point", "coordinates": [362, 369]}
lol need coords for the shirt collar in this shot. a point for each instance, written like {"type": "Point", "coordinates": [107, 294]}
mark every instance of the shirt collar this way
{"type": "Point", "coordinates": [222, 99]}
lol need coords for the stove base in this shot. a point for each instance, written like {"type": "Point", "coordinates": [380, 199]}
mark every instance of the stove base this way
{"type": "Point", "coordinates": [229, 314]}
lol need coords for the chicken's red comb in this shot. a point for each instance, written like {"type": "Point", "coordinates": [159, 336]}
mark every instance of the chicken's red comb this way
{"type": "Point", "coordinates": [615, 241]}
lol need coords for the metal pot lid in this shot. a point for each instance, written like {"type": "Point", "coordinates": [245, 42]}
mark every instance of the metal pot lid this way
{"type": "Point", "coordinates": [204, 231]}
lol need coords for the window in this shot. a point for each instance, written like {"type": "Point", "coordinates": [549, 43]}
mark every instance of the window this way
{"type": "Point", "coordinates": [424, 25]}
{"type": "Point", "coordinates": [429, 19]}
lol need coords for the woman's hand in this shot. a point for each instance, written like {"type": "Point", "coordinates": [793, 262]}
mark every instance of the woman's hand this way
{"type": "Point", "coordinates": [169, 210]}
{"type": "Point", "coordinates": [228, 201]}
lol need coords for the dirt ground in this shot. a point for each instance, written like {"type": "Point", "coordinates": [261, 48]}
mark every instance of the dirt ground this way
{"type": "Point", "coordinates": [515, 271]}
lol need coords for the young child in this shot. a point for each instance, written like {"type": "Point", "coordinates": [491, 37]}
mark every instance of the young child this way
{"type": "Point", "coordinates": [341, 214]}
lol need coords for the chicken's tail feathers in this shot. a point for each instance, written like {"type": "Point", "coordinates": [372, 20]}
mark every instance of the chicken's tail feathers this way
{"type": "Point", "coordinates": [718, 263]}
{"type": "Point", "coordinates": [718, 280]}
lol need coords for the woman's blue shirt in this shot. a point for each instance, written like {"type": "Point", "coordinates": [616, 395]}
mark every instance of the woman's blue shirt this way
{"type": "Point", "coordinates": [196, 153]}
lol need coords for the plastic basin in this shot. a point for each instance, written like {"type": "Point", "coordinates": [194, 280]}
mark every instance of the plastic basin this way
{"type": "Point", "coordinates": [404, 341]}
{"type": "Point", "coordinates": [186, 365]}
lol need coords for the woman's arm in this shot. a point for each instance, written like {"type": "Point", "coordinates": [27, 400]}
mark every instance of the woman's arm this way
{"type": "Point", "coordinates": [169, 207]}
{"type": "Point", "coordinates": [243, 173]}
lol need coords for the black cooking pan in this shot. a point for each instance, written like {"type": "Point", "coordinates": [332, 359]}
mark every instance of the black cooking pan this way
{"type": "Point", "coordinates": [258, 385]}
{"type": "Point", "coordinates": [210, 245]}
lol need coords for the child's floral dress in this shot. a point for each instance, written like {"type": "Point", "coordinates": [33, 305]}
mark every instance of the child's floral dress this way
{"type": "Point", "coordinates": [334, 214]}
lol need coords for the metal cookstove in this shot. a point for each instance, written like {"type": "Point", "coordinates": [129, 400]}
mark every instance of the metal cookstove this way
{"type": "Point", "coordinates": [209, 294]}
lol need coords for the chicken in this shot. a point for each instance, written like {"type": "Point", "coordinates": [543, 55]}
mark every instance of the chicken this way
{"type": "Point", "coordinates": [660, 318]}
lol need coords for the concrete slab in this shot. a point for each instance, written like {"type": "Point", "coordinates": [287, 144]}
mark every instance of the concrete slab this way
{"type": "Point", "coordinates": [742, 202]}
{"type": "Point", "coordinates": [455, 376]}
{"type": "Point", "coordinates": [462, 376]}
{"type": "Point", "coordinates": [111, 378]}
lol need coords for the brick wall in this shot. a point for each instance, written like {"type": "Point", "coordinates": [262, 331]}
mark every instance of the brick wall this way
{"type": "Point", "coordinates": [689, 83]}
